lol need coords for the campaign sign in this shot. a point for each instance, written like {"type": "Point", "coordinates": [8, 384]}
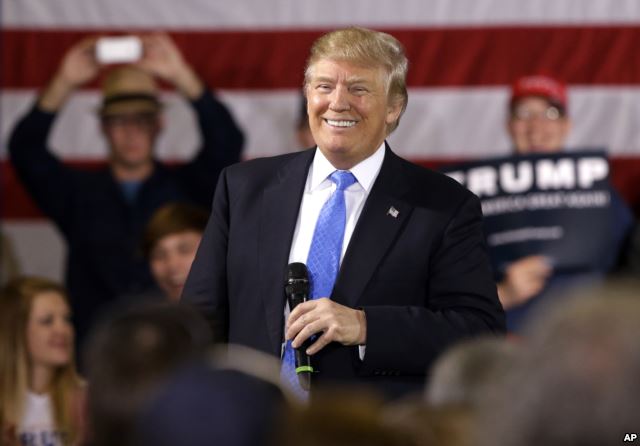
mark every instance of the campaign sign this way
{"type": "Point", "coordinates": [556, 205]}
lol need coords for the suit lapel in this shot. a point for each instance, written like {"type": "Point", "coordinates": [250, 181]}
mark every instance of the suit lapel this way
{"type": "Point", "coordinates": [278, 214]}
{"type": "Point", "coordinates": [382, 217]}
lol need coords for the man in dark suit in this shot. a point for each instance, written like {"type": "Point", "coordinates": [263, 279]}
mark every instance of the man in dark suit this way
{"type": "Point", "coordinates": [411, 274]}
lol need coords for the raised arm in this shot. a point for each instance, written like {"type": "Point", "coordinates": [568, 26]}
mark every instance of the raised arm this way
{"type": "Point", "coordinates": [222, 139]}
{"type": "Point", "coordinates": [48, 181]}
{"type": "Point", "coordinates": [78, 67]}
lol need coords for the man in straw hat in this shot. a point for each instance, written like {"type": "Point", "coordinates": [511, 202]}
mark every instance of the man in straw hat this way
{"type": "Point", "coordinates": [102, 213]}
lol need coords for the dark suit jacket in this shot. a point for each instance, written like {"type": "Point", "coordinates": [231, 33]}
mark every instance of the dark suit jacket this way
{"type": "Point", "coordinates": [423, 277]}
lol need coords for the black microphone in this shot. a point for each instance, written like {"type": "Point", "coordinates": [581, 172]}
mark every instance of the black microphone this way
{"type": "Point", "coordinates": [296, 287]}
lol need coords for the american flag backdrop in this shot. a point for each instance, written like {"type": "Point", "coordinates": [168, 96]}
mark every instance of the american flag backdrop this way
{"type": "Point", "coordinates": [463, 55]}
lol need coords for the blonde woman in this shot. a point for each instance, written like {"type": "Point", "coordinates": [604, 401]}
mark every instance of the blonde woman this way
{"type": "Point", "coordinates": [41, 395]}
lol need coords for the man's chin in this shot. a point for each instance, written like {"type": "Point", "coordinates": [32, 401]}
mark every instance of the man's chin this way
{"type": "Point", "coordinates": [335, 149]}
{"type": "Point", "coordinates": [544, 149]}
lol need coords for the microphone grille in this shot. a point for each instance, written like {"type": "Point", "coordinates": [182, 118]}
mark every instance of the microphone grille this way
{"type": "Point", "coordinates": [296, 271]}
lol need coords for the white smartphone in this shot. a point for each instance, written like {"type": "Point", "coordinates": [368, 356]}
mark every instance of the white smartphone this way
{"type": "Point", "coordinates": [126, 49]}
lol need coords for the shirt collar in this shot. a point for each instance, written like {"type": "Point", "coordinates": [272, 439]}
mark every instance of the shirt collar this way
{"type": "Point", "coordinates": [366, 171]}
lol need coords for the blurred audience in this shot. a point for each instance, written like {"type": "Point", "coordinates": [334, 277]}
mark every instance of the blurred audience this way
{"type": "Point", "coordinates": [233, 399]}
{"type": "Point", "coordinates": [41, 395]}
{"type": "Point", "coordinates": [130, 357]}
{"type": "Point", "coordinates": [539, 123]}
{"type": "Point", "coordinates": [466, 374]}
{"type": "Point", "coordinates": [348, 417]}
{"type": "Point", "coordinates": [632, 261]}
{"type": "Point", "coordinates": [170, 242]}
{"type": "Point", "coordinates": [102, 213]}
{"type": "Point", "coordinates": [342, 419]}
{"type": "Point", "coordinates": [576, 382]}
{"type": "Point", "coordinates": [9, 264]}
{"type": "Point", "coordinates": [429, 425]}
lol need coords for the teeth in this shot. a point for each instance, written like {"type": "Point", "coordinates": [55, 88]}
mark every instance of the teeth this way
{"type": "Point", "coordinates": [341, 123]}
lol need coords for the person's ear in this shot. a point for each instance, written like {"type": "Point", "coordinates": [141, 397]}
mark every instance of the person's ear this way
{"type": "Point", "coordinates": [394, 109]}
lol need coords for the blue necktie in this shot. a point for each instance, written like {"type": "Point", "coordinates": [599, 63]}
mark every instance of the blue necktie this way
{"type": "Point", "coordinates": [323, 261]}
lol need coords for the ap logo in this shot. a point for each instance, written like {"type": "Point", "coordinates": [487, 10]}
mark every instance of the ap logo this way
{"type": "Point", "coordinates": [630, 437]}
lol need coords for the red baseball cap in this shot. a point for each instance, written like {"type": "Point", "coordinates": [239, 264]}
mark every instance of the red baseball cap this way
{"type": "Point", "coordinates": [554, 90]}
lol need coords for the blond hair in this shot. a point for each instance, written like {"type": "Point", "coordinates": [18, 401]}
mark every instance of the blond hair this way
{"type": "Point", "coordinates": [16, 303]}
{"type": "Point", "coordinates": [366, 47]}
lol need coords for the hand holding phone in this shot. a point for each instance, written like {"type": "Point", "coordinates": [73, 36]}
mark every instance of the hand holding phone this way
{"type": "Point", "coordinates": [125, 49]}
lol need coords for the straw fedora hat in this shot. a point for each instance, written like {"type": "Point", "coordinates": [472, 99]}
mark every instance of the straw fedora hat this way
{"type": "Point", "coordinates": [129, 90]}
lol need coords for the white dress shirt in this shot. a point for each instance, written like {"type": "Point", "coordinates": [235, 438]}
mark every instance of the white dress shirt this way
{"type": "Point", "coordinates": [317, 191]}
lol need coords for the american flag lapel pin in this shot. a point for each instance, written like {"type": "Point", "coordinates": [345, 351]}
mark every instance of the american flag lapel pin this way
{"type": "Point", "coordinates": [393, 212]}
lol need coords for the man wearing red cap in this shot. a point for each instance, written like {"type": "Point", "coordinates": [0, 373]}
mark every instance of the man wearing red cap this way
{"type": "Point", "coordinates": [538, 115]}
{"type": "Point", "coordinates": [539, 123]}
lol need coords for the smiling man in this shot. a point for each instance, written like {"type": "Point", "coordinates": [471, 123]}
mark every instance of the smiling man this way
{"type": "Point", "coordinates": [397, 263]}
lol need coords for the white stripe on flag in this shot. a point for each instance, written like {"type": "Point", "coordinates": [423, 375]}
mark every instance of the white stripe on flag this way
{"type": "Point", "coordinates": [439, 123]}
{"type": "Point", "coordinates": [256, 14]}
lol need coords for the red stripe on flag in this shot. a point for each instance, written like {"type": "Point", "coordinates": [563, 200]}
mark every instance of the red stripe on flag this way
{"type": "Point", "coordinates": [17, 204]}
{"type": "Point", "coordinates": [604, 55]}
